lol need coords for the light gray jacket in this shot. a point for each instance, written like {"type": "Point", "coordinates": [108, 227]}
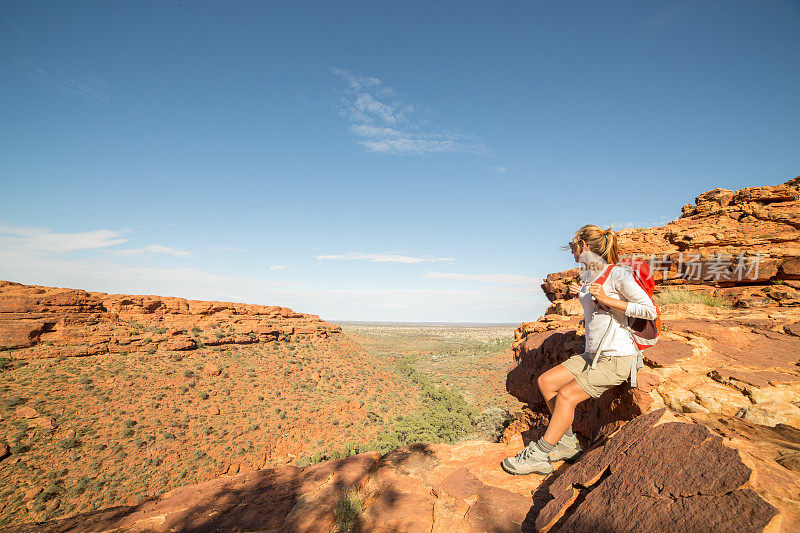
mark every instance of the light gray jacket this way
{"type": "Point", "coordinates": [620, 284]}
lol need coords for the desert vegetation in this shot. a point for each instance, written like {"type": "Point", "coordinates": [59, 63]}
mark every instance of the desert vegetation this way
{"type": "Point", "coordinates": [471, 359]}
{"type": "Point", "coordinates": [85, 433]}
{"type": "Point", "coordinates": [686, 296]}
{"type": "Point", "coordinates": [93, 432]}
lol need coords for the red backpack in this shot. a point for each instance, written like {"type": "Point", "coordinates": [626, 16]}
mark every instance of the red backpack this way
{"type": "Point", "coordinates": [644, 332]}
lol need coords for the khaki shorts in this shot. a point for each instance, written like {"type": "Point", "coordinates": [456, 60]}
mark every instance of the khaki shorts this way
{"type": "Point", "coordinates": [610, 370]}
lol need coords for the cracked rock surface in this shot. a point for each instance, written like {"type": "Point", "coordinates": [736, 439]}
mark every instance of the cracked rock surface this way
{"type": "Point", "coordinates": [657, 474]}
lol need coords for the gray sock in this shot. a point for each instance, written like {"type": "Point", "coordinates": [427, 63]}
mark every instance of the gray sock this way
{"type": "Point", "coordinates": [545, 446]}
{"type": "Point", "coordinates": [569, 432]}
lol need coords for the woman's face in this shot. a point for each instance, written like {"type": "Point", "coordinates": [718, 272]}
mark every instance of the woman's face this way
{"type": "Point", "coordinates": [578, 248]}
{"type": "Point", "coordinates": [586, 257]}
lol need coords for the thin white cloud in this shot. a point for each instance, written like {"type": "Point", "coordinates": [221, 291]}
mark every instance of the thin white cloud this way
{"type": "Point", "coordinates": [384, 125]}
{"type": "Point", "coordinates": [45, 240]}
{"type": "Point", "coordinates": [221, 249]}
{"type": "Point", "coordinates": [151, 249]}
{"type": "Point", "coordinates": [382, 258]}
{"type": "Point", "coordinates": [502, 279]}
{"type": "Point", "coordinates": [65, 80]}
{"type": "Point", "coordinates": [499, 170]}
{"type": "Point", "coordinates": [278, 267]}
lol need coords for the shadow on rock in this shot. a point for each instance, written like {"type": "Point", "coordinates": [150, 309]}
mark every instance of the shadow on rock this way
{"type": "Point", "coordinates": [286, 499]}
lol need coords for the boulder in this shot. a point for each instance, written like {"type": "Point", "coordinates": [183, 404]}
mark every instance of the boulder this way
{"type": "Point", "coordinates": [179, 344]}
{"type": "Point", "coordinates": [571, 307]}
{"type": "Point", "coordinates": [26, 412]}
{"type": "Point", "coordinates": [665, 473]}
{"type": "Point", "coordinates": [792, 329]}
{"type": "Point", "coordinates": [20, 334]}
{"type": "Point", "coordinates": [772, 414]}
{"type": "Point", "coordinates": [211, 370]}
{"type": "Point", "coordinates": [45, 422]}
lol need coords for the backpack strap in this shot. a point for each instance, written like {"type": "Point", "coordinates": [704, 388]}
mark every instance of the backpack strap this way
{"type": "Point", "coordinates": [638, 361]}
{"type": "Point", "coordinates": [602, 279]}
{"type": "Point", "coordinates": [600, 346]}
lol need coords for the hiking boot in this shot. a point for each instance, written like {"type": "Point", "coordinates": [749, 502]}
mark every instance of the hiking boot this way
{"type": "Point", "coordinates": [530, 460]}
{"type": "Point", "coordinates": [567, 449]}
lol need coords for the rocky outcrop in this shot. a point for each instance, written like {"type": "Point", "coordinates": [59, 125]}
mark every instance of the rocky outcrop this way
{"type": "Point", "coordinates": [742, 246]}
{"type": "Point", "coordinates": [707, 360]}
{"type": "Point", "coordinates": [40, 322]}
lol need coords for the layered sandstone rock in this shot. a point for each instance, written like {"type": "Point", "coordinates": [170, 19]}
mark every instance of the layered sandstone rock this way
{"type": "Point", "coordinates": [54, 322]}
{"type": "Point", "coordinates": [743, 246]}
{"type": "Point", "coordinates": [743, 362]}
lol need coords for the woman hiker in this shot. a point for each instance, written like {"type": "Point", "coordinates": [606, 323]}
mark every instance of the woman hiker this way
{"type": "Point", "coordinates": [573, 381]}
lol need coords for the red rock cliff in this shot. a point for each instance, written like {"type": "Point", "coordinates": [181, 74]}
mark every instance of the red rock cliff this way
{"type": "Point", "coordinates": [54, 322]}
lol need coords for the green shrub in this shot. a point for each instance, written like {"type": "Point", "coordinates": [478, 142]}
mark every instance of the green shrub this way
{"type": "Point", "coordinates": [685, 296]}
{"type": "Point", "coordinates": [493, 421]}
{"type": "Point", "coordinates": [70, 443]}
{"type": "Point", "coordinates": [348, 511]}
{"type": "Point", "coordinates": [14, 401]}
{"type": "Point", "coordinates": [446, 416]}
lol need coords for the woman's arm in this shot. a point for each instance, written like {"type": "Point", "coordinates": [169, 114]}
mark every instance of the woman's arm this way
{"type": "Point", "coordinates": [638, 305]}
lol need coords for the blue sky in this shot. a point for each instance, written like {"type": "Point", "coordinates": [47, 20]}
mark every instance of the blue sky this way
{"type": "Point", "coordinates": [404, 161]}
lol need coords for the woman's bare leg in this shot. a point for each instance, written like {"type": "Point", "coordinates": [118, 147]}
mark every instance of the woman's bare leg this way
{"type": "Point", "coordinates": [567, 398]}
{"type": "Point", "coordinates": [551, 381]}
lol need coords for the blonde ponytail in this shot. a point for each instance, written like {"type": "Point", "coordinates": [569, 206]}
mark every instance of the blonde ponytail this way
{"type": "Point", "coordinates": [600, 241]}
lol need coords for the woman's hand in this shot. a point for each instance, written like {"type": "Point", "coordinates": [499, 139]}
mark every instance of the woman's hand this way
{"type": "Point", "coordinates": [596, 290]}
{"type": "Point", "coordinates": [573, 289]}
